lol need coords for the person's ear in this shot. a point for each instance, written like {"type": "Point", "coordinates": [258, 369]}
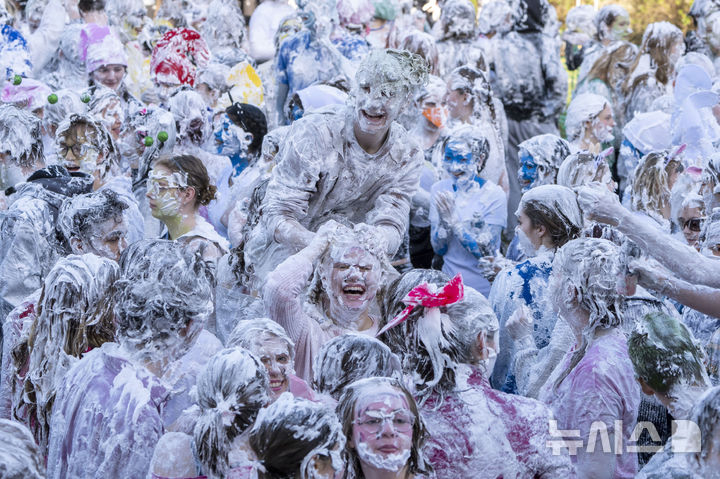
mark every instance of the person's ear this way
{"type": "Point", "coordinates": [188, 195]}
{"type": "Point", "coordinates": [541, 229]}
{"type": "Point", "coordinates": [77, 246]}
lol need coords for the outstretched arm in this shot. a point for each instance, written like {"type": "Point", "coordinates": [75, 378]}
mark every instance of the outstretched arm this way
{"type": "Point", "coordinates": [601, 205]}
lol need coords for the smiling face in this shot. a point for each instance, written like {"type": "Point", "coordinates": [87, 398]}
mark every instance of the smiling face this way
{"type": "Point", "coordinates": [690, 221]}
{"type": "Point", "coordinates": [382, 430]}
{"type": "Point", "coordinates": [378, 101]}
{"type": "Point", "coordinates": [458, 162]}
{"type": "Point", "coordinates": [275, 356]}
{"type": "Point", "coordinates": [354, 279]}
{"type": "Point", "coordinates": [110, 76]}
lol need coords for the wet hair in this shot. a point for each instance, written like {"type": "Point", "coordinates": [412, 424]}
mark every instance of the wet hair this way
{"type": "Point", "coordinates": [583, 108]}
{"type": "Point", "coordinates": [243, 271]}
{"type": "Point", "coordinates": [664, 353]}
{"type": "Point", "coordinates": [20, 457]}
{"type": "Point", "coordinates": [476, 142]}
{"type": "Point", "coordinates": [250, 333]}
{"type": "Point", "coordinates": [651, 188]}
{"type": "Point", "coordinates": [430, 354]}
{"type": "Point", "coordinates": [21, 135]}
{"type": "Point", "coordinates": [555, 207]}
{"type": "Point", "coordinates": [101, 138]}
{"type": "Point", "coordinates": [613, 65]}
{"type": "Point", "coordinates": [164, 288]}
{"type": "Point", "coordinates": [424, 45]}
{"type": "Point", "coordinates": [657, 39]}
{"type": "Point", "coordinates": [396, 66]}
{"type": "Point", "coordinates": [86, 6]}
{"type": "Point", "coordinates": [705, 414]}
{"type": "Point", "coordinates": [475, 83]}
{"type": "Point", "coordinates": [80, 214]}
{"type": "Point", "coordinates": [590, 266]}
{"type": "Point", "coordinates": [548, 151]}
{"type": "Point", "coordinates": [604, 19]}
{"type": "Point", "coordinates": [252, 120]}
{"type": "Point", "coordinates": [289, 432]}
{"type": "Point", "coordinates": [349, 357]}
{"type": "Point", "coordinates": [574, 170]}
{"type": "Point", "coordinates": [234, 383]}
{"type": "Point", "coordinates": [196, 176]}
{"type": "Point", "coordinates": [74, 314]}
{"type": "Point", "coordinates": [417, 463]}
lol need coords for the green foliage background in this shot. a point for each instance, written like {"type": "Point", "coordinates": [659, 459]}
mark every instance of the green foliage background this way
{"type": "Point", "coordinates": [642, 12]}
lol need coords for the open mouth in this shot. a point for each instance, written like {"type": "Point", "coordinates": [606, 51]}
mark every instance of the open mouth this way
{"type": "Point", "coordinates": [374, 118]}
{"type": "Point", "coordinates": [354, 291]}
{"type": "Point", "coordinates": [277, 385]}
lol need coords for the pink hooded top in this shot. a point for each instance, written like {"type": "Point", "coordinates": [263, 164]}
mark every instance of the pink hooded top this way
{"type": "Point", "coordinates": [601, 388]}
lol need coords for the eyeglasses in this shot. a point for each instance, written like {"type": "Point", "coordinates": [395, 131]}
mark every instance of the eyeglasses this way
{"type": "Point", "coordinates": [693, 224]}
{"type": "Point", "coordinates": [373, 421]}
{"type": "Point", "coordinates": [78, 149]}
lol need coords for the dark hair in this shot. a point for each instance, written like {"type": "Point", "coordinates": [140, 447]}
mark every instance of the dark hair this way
{"type": "Point", "coordinates": [252, 120]}
{"type": "Point", "coordinates": [417, 463]}
{"type": "Point", "coordinates": [558, 226]}
{"type": "Point", "coordinates": [80, 214]}
{"type": "Point", "coordinates": [349, 357]}
{"type": "Point", "coordinates": [91, 5]}
{"type": "Point", "coordinates": [664, 353]}
{"type": "Point", "coordinates": [275, 437]}
{"type": "Point", "coordinates": [197, 176]}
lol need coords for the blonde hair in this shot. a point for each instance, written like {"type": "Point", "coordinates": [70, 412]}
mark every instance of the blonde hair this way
{"type": "Point", "coordinates": [651, 188]}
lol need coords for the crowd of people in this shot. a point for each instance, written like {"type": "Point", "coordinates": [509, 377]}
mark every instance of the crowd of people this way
{"type": "Point", "coordinates": [377, 239]}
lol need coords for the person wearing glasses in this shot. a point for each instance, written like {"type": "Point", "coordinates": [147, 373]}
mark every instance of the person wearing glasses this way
{"type": "Point", "coordinates": [177, 188]}
{"type": "Point", "coordinates": [384, 430]}
{"type": "Point", "coordinates": [690, 217]}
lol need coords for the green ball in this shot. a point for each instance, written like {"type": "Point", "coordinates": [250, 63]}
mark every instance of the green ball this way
{"type": "Point", "coordinates": [17, 79]}
{"type": "Point", "coordinates": [162, 136]}
{"type": "Point", "coordinates": [52, 98]}
{"type": "Point", "coordinates": [149, 141]}
{"type": "Point", "coordinates": [85, 98]}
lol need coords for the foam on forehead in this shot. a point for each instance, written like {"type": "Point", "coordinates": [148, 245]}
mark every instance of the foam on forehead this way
{"type": "Point", "coordinates": [582, 108]}
{"type": "Point", "coordinates": [396, 69]}
{"type": "Point", "coordinates": [19, 131]}
{"type": "Point", "coordinates": [370, 390]}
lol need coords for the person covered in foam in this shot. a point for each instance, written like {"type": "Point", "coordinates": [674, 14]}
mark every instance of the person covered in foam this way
{"type": "Point", "coordinates": [231, 390]}
{"type": "Point", "coordinates": [351, 162]}
{"type": "Point", "coordinates": [350, 357]}
{"type": "Point", "coordinates": [589, 123]}
{"type": "Point", "coordinates": [458, 44]}
{"type": "Point", "coordinates": [594, 383]}
{"type": "Point", "coordinates": [177, 187]}
{"type": "Point", "coordinates": [446, 337]}
{"type": "Point", "coordinates": [114, 394]}
{"type": "Point", "coordinates": [267, 340]}
{"type": "Point", "coordinates": [384, 429]}
{"type": "Point", "coordinates": [20, 456]}
{"type": "Point", "coordinates": [341, 270]}
{"type": "Point", "coordinates": [467, 213]}
{"type": "Point", "coordinates": [74, 315]}
{"type": "Point", "coordinates": [548, 217]}
{"type": "Point", "coordinates": [298, 438]}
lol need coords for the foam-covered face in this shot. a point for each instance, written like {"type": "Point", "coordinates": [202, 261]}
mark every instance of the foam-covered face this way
{"type": "Point", "coordinates": [110, 76]}
{"type": "Point", "coordinates": [690, 221]}
{"type": "Point", "coordinates": [603, 125]}
{"type": "Point", "coordinates": [112, 117]}
{"type": "Point", "coordinates": [530, 238]}
{"type": "Point", "coordinates": [78, 152]}
{"type": "Point", "coordinates": [434, 110]}
{"type": "Point", "coordinates": [163, 192]}
{"type": "Point", "coordinates": [275, 356]}
{"type": "Point", "coordinates": [383, 430]}
{"type": "Point", "coordinates": [377, 103]}
{"type": "Point", "coordinates": [458, 162]}
{"type": "Point", "coordinates": [354, 278]}
{"type": "Point", "coordinates": [529, 171]}
{"type": "Point", "coordinates": [231, 140]}
{"type": "Point", "coordinates": [458, 103]}
{"type": "Point", "coordinates": [620, 28]}
{"type": "Point", "coordinates": [108, 239]}
{"type": "Point", "coordinates": [10, 173]}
